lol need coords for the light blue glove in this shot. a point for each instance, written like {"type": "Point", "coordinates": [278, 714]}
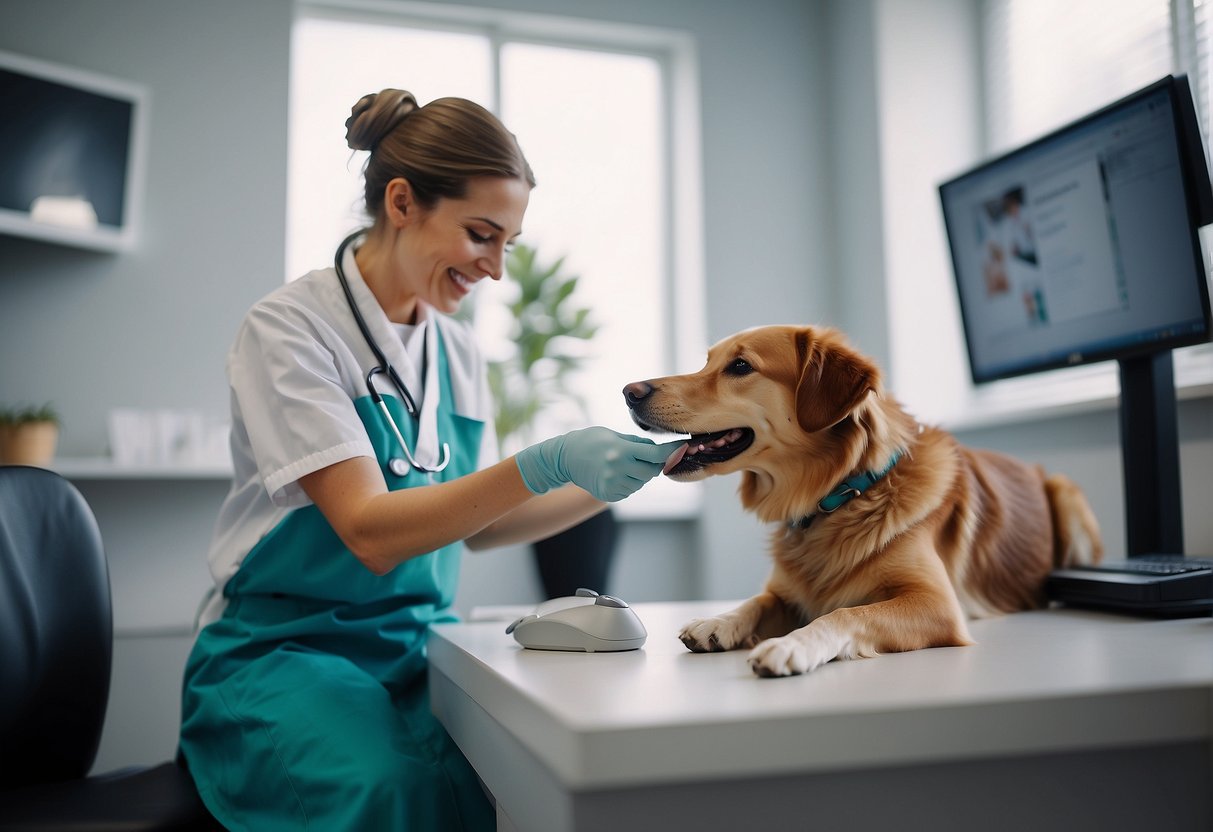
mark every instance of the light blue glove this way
{"type": "Point", "coordinates": [607, 464]}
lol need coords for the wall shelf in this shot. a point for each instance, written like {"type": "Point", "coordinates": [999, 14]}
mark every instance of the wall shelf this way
{"type": "Point", "coordinates": [104, 468]}
{"type": "Point", "coordinates": [660, 500]}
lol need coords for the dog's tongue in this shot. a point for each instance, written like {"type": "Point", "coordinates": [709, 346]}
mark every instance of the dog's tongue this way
{"type": "Point", "coordinates": [675, 457]}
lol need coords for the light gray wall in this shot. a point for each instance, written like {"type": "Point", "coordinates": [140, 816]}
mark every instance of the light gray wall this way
{"type": "Point", "coordinates": [856, 265]}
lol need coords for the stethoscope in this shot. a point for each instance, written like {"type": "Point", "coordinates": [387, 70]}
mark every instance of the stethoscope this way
{"type": "Point", "coordinates": [396, 465]}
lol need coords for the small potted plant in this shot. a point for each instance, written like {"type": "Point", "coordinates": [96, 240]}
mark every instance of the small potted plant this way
{"type": "Point", "coordinates": [28, 435]}
{"type": "Point", "coordinates": [546, 330]}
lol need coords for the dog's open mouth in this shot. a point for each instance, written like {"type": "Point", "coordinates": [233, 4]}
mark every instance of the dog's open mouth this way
{"type": "Point", "coordinates": [704, 449]}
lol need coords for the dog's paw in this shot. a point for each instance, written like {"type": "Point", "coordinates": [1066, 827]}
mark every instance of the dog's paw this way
{"type": "Point", "coordinates": [790, 655]}
{"type": "Point", "coordinates": [712, 635]}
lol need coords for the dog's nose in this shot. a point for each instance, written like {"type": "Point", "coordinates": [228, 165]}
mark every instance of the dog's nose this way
{"type": "Point", "coordinates": [636, 392]}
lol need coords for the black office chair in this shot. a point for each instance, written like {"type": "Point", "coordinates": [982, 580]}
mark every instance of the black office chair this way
{"type": "Point", "coordinates": [56, 647]}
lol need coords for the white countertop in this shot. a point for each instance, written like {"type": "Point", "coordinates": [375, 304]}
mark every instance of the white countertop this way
{"type": "Point", "coordinates": [1055, 680]}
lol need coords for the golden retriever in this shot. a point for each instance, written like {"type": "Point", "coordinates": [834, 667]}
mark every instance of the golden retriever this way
{"type": "Point", "coordinates": [889, 533]}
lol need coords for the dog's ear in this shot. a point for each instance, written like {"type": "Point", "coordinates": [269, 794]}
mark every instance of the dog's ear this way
{"type": "Point", "coordinates": [833, 381]}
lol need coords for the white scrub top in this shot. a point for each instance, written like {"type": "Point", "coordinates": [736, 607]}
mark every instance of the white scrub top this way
{"type": "Point", "coordinates": [295, 369]}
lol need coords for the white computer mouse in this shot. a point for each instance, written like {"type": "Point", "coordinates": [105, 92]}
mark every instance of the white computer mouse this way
{"type": "Point", "coordinates": [585, 622]}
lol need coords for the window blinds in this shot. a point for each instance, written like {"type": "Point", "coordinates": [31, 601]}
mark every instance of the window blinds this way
{"type": "Point", "coordinates": [1047, 63]}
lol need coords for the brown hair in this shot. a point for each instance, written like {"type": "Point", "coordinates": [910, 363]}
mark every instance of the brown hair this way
{"type": "Point", "coordinates": [437, 148]}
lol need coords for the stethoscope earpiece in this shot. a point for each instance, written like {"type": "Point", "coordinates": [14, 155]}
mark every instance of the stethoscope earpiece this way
{"type": "Point", "coordinates": [397, 465]}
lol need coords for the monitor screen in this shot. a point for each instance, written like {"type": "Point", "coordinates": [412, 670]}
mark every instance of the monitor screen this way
{"type": "Point", "coordinates": [1082, 246]}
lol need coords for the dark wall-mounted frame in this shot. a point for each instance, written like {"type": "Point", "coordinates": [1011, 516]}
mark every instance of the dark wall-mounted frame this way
{"type": "Point", "coordinates": [72, 154]}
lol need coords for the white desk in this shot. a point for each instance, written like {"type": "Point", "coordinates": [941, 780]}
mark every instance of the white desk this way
{"type": "Point", "coordinates": [1056, 719]}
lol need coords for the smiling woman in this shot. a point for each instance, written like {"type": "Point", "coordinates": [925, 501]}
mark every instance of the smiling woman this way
{"type": "Point", "coordinates": [451, 168]}
{"type": "Point", "coordinates": [341, 539]}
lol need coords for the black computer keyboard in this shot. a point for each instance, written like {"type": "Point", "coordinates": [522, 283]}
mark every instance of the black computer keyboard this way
{"type": "Point", "coordinates": [1160, 585]}
{"type": "Point", "coordinates": [1152, 565]}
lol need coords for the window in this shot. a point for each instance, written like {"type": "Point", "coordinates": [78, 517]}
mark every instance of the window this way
{"type": "Point", "coordinates": [597, 110]}
{"type": "Point", "coordinates": [1047, 63]}
{"type": "Point", "coordinates": [1044, 64]}
{"type": "Point", "coordinates": [590, 123]}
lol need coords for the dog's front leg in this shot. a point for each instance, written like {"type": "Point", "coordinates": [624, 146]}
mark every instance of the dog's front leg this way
{"type": "Point", "coordinates": [760, 617]}
{"type": "Point", "coordinates": [908, 622]}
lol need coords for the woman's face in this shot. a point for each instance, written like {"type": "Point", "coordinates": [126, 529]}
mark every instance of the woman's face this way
{"type": "Point", "coordinates": [457, 243]}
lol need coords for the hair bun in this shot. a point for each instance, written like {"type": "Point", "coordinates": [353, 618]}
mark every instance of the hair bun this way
{"type": "Point", "coordinates": [375, 115]}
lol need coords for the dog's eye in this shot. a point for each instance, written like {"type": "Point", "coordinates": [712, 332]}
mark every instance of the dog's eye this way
{"type": "Point", "coordinates": [739, 367]}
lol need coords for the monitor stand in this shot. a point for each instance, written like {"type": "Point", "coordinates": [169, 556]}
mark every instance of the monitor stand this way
{"type": "Point", "coordinates": [1149, 436]}
{"type": "Point", "coordinates": [1149, 439]}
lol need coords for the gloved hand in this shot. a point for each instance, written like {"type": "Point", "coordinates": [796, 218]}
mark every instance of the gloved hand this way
{"type": "Point", "coordinates": [607, 464]}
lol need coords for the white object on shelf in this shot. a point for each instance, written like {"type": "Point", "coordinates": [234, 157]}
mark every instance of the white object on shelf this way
{"type": "Point", "coordinates": [166, 436]}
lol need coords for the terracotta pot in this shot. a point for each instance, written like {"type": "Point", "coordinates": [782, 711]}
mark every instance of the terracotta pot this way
{"type": "Point", "coordinates": [29, 443]}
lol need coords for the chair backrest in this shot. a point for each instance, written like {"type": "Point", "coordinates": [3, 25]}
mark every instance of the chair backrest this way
{"type": "Point", "coordinates": [56, 629]}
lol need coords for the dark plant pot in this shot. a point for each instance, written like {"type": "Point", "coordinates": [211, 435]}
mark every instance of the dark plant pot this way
{"type": "Point", "coordinates": [578, 557]}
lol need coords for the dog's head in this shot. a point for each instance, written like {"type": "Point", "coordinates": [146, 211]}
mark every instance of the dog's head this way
{"type": "Point", "coordinates": [765, 394]}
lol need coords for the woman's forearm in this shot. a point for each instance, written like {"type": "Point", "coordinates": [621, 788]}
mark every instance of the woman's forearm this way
{"type": "Point", "coordinates": [541, 517]}
{"type": "Point", "coordinates": [384, 528]}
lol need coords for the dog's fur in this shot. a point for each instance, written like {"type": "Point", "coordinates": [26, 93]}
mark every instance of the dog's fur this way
{"type": "Point", "coordinates": [949, 533]}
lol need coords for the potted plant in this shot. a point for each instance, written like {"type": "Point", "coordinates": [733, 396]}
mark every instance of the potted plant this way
{"type": "Point", "coordinates": [549, 331]}
{"type": "Point", "coordinates": [28, 435]}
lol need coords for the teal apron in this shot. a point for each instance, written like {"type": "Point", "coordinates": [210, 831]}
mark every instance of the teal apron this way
{"type": "Point", "coordinates": [305, 705]}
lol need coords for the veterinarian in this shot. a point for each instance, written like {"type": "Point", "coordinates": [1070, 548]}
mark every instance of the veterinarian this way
{"type": "Point", "coordinates": [364, 456]}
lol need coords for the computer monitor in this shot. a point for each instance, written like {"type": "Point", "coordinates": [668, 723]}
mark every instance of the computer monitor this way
{"type": "Point", "coordinates": [1082, 246]}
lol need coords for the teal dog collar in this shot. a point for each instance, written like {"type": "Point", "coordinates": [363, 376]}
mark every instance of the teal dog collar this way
{"type": "Point", "coordinates": [846, 491]}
